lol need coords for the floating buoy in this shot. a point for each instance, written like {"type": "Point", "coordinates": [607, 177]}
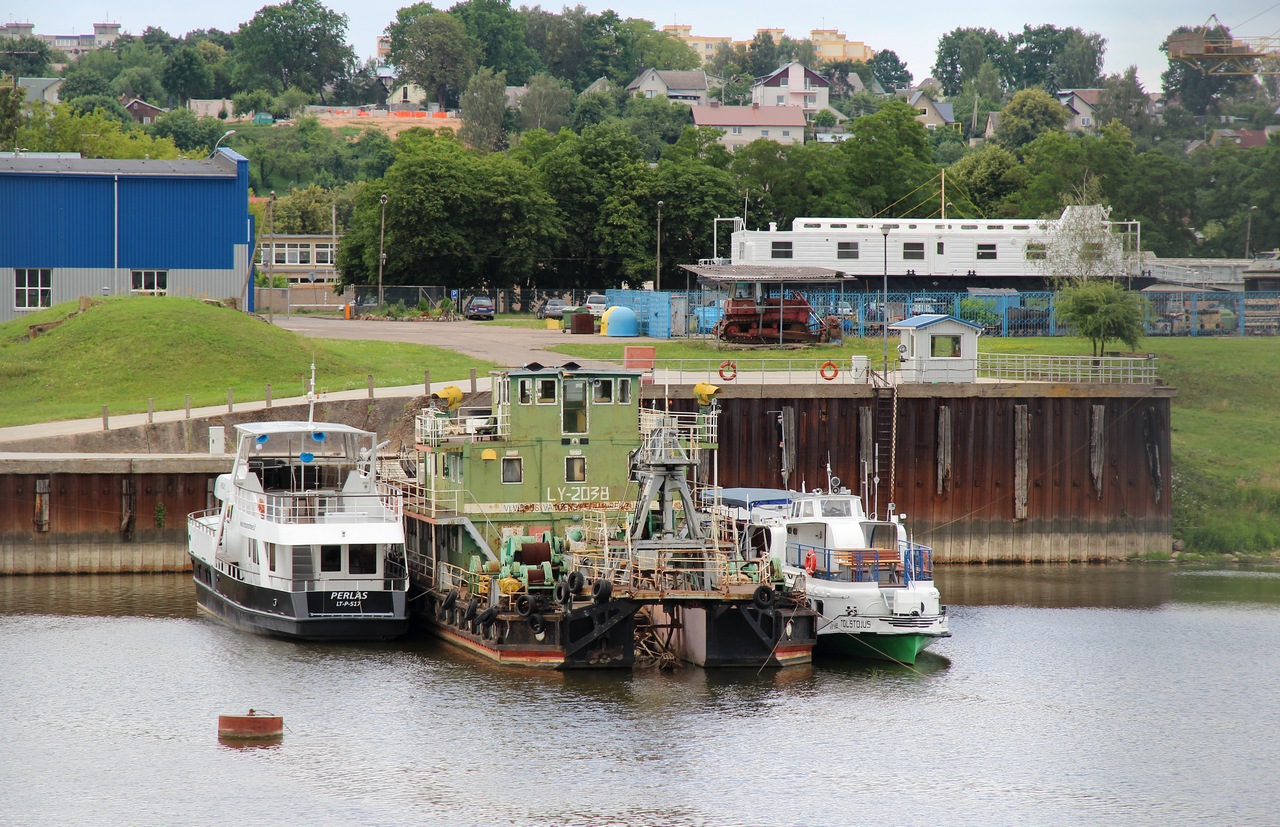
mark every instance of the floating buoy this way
{"type": "Point", "coordinates": [254, 726]}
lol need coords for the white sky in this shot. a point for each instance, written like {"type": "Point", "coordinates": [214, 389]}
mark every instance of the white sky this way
{"type": "Point", "coordinates": [1134, 29]}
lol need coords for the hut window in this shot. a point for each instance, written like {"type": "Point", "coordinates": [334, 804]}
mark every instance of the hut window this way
{"type": "Point", "coordinates": [546, 391]}
{"type": "Point", "coordinates": [944, 347]}
{"type": "Point", "coordinates": [512, 470]}
{"type": "Point", "coordinates": [575, 469]}
{"type": "Point", "coordinates": [573, 411]}
{"type": "Point", "coordinates": [624, 391]}
{"type": "Point", "coordinates": [525, 391]}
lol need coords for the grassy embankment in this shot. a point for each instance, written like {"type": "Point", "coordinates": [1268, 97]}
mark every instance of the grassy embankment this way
{"type": "Point", "coordinates": [1226, 424]}
{"type": "Point", "coordinates": [121, 352]}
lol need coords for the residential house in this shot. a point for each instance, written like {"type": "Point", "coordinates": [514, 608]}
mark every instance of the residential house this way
{"type": "Point", "coordinates": [600, 84]}
{"type": "Point", "coordinates": [514, 94]}
{"type": "Point", "coordinates": [743, 124]}
{"type": "Point", "coordinates": [691, 87]}
{"type": "Point", "coordinates": [1082, 104]}
{"type": "Point", "coordinates": [704, 47]}
{"type": "Point", "coordinates": [792, 85]}
{"type": "Point", "coordinates": [41, 89]}
{"type": "Point", "coordinates": [931, 113]}
{"type": "Point", "coordinates": [830, 44]}
{"type": "Point", "coordinates": [1243, 138]}
{"type": "Point", "coordinates": [211, 107]}
{"type": "Point", "coordinates": [144, 112]}
{"type": "Point", "coordinates": [993, 123]}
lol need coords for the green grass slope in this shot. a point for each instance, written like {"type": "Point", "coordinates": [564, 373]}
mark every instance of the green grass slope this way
{"type": "Point", "coordinates": [120, 352]}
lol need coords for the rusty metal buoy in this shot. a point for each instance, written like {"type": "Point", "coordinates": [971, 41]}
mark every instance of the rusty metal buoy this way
{"type": "Point", "coordinates": [253, 726]}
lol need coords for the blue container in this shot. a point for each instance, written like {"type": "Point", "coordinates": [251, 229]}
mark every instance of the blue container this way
{"type": "Point", "coordinates": [623, 323]}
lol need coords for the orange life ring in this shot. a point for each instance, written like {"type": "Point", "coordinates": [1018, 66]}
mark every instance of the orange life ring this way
{"type": "Point", "coordinates": [829, 371]}
{"type": "Point", "coordinates": [728, 371]}
{"type": "Point", "coordinates": [810, 561]}
{"type": "Point", "coordinates": [262, 507]}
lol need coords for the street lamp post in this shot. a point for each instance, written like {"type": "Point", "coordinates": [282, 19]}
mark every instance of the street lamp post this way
{"type": "Point", "coordinates": [657, 263]}
{"type": "Point", "coordinates": [225, 135]}
{"type": "Point", "coordinates": [1248, 229]}
{"type": "Point", "coordinates": [382, 256]}
{"type": "Point", "coordinates": [884, 300]}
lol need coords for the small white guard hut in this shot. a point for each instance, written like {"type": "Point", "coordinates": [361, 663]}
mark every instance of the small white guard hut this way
{"type": "Point", "coordinates": [936, 348]}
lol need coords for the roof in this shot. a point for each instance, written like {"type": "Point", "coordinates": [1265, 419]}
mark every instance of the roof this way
{"type": "Point", "coordinates": [946, 112]}
{"type": "Point", "coordinates": [927, 319]}
{"type": "Point", "coordinates": [289, 427]}
{"type": "Point", "coordinates": [208, 168]}
{"type": "Point", "coordinates": [748, 116]}
{"type": "Point", "coordinates": [1087, 96]}
{"type": "Point", "coordinates": [721, 273]}
{"type": "Point", "coordinates": [751, 497]}
{"type": "Point", "coordinates": [37, 87]}
{"type": "Point", "coordinates": [764, 80]}
{"type": "Point", "coordinates": [696, 79]}
{"type": "Point", "coordinates": [569, 369]}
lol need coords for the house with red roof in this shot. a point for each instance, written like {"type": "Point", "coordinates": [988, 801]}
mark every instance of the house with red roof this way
{"type": "Point", "coordinates": [743, 124]}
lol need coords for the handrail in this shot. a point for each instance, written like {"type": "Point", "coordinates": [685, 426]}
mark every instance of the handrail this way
{"type": "Point", "coordinates": [1019, 367]}
{"type": "Point", "coordinates": [911, 561]}
{"type": "Point", "coordinates": [384, 505]}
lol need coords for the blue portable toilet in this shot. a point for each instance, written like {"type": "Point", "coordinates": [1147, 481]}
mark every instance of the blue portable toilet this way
{"type": "Point", "coordinates": [623, 322]}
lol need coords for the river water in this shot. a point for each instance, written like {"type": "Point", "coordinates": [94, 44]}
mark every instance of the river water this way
{"type": "Point", "coordinates": [1070, 695]}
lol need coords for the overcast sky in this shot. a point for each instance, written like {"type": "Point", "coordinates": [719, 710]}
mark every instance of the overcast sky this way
{"type": "Point", "coordinates": [1133, 29]}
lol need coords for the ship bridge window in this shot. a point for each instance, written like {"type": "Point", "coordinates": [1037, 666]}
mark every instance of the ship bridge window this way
{"type": "Point", "coordinates": [813, 226]}
{"type": "Point", "coordinates": [575, 469]}
{"type": "Point", "coordinates": [546, 391]}
{"type": "Point", "coordinates": [1022, 226]}
{"type": "Point", "coordinates": [846, 249]}
{"type": "Point", "coordinates": [362, 558]}
{"type": "Point", "coordinates": [968, 226]}
{"type": "Point", "coordinates": [624, 391]}
{"type": "Point", "coordinates": [573, 411]}
{"type": "Point", "coordinates": [602, 391]}
{"type": "Point", "coordinates": [836, 508]}
{"type": "Point", "coordinates": [782, 249]}
{"type": "Point", "coordinates": [271, 556]}
{"type": "Point", "coordinates": [913, 250]}
{"type": "Point", "coordinates": [524, 391]}
{"type": "Point", "coordinates": [986, 251]}
{"type": "Point", "coordinates": [512, 470]}
{"type": "Point", "coordinates": [995, 226]}
{"type": "Point", "coordinates": [330, 558]}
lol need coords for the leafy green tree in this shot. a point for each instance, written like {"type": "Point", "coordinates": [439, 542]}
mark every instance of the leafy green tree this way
{"type": "Point", "coordinates": [736, 90]}
{"type": "Point", "coordinates": [1102, 312]}
{"type": "Point", "coordinates": [656, 122]}
{"type": "Point", "coordinates": [546, 104]}
{"type": "Point", "coordinates": [360, 85]}
{"type": "Point", "coordinates": [986, 177]}
{"type": "Point", "coordinates": [484, 107]}
{"type": "Point", "coordinates": [1028, 114]}
{"type": "Point", "coordinates": [298, 43]}
{"type": "Point", "coordinates": [500, 31]}
{"type": "Point", "coordinates": [373, 153]}
{"type": "Point", "coordinates": [643, 46]}
{"type": "Point", "coordinates": [11, 98]}
{"type": "Point", "coordinates": [82, 84]}
{"type": "Point", "coordinates": [157, 38]}
{"type": "Point", "coordinates": [592, 108]}
{"type": "Point", "coordinates": [702, 144]}
{"type": "Point", "coordinates": [1079, 65]}
{"type": "Point", "coordinates": [290, 102]}
{"type": "Point", "coordinates": [93, 134]}
{"type": "Point", "coordinates": [1198, 92]}
{"type": "Point", "coordinates": [890, 70]}
{"type": "Point", "coordinates": [762, 55]}
{"type": "Point", "coordinates": [139, 82]}
{"type": "Point", "coordinates": [824, 119]}
{"type": "Point", "coordinates": [1123, 99]}
{"type": "Point", "coordinates": [186, 75]}
{"type": "Point", "coordinates": [961, 53]}
{"type": "Point", "coordinates": [102, 104]}
{"type": "Point", "coordinates": [694, 193]}
{"type": "Point", "coordinates": [26, 57]}
{"type": "Point", "coordinates": [729, 60]}
{"type": "Point", "coordinates": [838, 74]}
{"type": "Point", "coordinates": [188, 132]}
{"type": "Point", "coordinates": [248, 103]}
{"type": "Point", "coordinates": [432, 49]}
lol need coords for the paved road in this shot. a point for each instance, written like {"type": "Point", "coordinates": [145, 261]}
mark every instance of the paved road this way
{"type": "Point", "coordinates": [507, 346]}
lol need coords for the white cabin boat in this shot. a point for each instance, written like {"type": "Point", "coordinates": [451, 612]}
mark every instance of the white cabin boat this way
{"type": "Point", "coordinates": [305, 541]}
{"type": "Point", "coordinates": [870, 585]}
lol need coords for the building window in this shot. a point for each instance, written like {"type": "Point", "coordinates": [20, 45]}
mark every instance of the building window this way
{"type": "Point", "coordinates": [648, 93]}
{"type": "Point", "coordinates": [602, 391]}
{"type": "Point", "coordinates": [575, 469]}
{"type": "Point", "coordinates": [1035, 251]}
{"type": "Point", "coordinates": [764, 133]}
{"type": "Point", "coordinates": [986, 251]}
{"type": "Point", "coordinates": [782, 99]}
{"type": "Point", "coordinates": [784, 81]}
{"type": "Point", "coordinates": [846, 249]}
{"type": "Point", "coordinates": [624, 391]}
{"type": "Point", "coordinates": [913, 251]}
{"type": "Point", "coordinates": [546, 391]}
{"type": "Point", "coordinates": [782, 249]}
{"type": "Point", "coordinates": [512, 470]}
{"type": "Point", "coordinates": [32, 288]}
{"type": "Point", "coordinates": [810, 100]}
{"type": "Point", "coordinates": [1085, 121]}
{"type": "Point", "coordinates": [786, 133]}
{"type": "Point", "coordinates": [151, 282]}
{"type": "Point", "coordinates": [322, 253]}
{"type": "Point", "coordinates": [944, 347]}
{"type": "Point", "coordinates": [737, 130]}
{"type": "Point", "coordinates": [573, 410]}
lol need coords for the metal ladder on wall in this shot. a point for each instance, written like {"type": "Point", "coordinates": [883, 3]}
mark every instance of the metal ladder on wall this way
{"type": "Point", "coordinates": [886, 440]}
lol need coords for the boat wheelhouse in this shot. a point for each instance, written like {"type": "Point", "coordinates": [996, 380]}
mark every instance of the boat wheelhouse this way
{"type": "Point", "coordinates": [305, 541]}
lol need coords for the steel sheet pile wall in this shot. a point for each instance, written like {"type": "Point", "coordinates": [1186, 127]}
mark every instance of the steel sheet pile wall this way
{"type": "Point", "coordinates": [983, 473]}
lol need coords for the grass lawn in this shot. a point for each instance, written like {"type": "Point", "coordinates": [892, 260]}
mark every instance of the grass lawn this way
{"type": "Point", "coordinates": [122, 351]}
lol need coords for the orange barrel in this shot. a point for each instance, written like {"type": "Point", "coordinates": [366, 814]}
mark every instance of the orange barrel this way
{"type": "Point", "coordinates": [253, 725]}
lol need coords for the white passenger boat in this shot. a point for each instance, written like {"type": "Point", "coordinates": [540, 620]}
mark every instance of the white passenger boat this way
{"type": "Point", "coordinates": [871, 586]}
{"type": "Point", "coordinates": [305, 541]}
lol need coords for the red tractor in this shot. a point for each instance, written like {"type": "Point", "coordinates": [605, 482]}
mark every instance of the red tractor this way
{"type": "Point", "coordinates": [753, 318]}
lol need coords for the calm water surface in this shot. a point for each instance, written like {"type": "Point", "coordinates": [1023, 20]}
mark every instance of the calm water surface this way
{"type": "Point", "coordinates": [1081, 695]}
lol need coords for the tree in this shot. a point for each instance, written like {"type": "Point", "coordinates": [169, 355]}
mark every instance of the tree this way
{"type": "Point", "coordinates": [762, 55]}
{"type": "Point", "coordinates": [1101, 311]}
{"type": "Point", "coordinates": [298, 43]}
{"type": "Point", "coordinates": [500, 31]}
{"type": "Point", "coordinates": [433, 50]}
{"type": "Point", "coordinates": [1028, 114]}
{"type": "Point", "coordinates": [890, 71]}
{"type": "Point", "coordinates": [102, 104]}
{"type": "Point", "coordinates": [187, 132]}
{"type": "Point", "coordinates": [987, 176]}
{"type": "Point", "coordinates": [93, 134]}
{"type": "Point", "coordinates": [961, 53]}
{"type": "Point", "coordinates": [1123, 99]}
{"type": "Point", "coordinates": [1081, 247]}
{"type": "Point", "coordinates": [484, 107]}
{"type": "Point", "coordinates": [546, 104]}
{"type": "Point", "coordinates": [839, 77]}
{"type": "Point", "coordinates": [1198, 92]}
{"type": "Point", "coordinates": [186, 75]}
{"type": "Point", "coordinates": [249, 103]}
{"type": "Point", "coordinates": [26, 57]}
{"type": "Point", "coordinates": [11, 98]}
{"type": "Point", "coordinates": [825, 119]}
{"type": "Point", "coordinates": [139, 82]}
{"type": "Point", "coordinates": [1079, 64]}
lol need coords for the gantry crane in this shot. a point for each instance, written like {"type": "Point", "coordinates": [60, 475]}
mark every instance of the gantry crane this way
{"type": "Point", "coordinates": [1216, 52]}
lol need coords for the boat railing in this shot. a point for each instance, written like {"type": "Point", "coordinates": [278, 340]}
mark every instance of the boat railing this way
{"type": "Point", "coordinates": [385, 504]}
{"type": "Point", "coordinates": [430, 498]}
{"type": "Point", "coordinates": [196, 524]}
{"type": "Point", "coordinates": [390, 580]}
{"type": "Point", "coordinates": [436, 428]}
{"type": "Point", "coordinates": [849, 565]}
{"type": "Point", "coordinates": [918, 561]}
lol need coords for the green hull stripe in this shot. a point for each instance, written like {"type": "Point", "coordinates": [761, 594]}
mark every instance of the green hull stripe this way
{"type": "Point", "coordinates": [898, 648]}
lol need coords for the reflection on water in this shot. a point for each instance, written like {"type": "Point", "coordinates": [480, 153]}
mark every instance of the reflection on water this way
{"type": "Point", "coordinates": [1064, 697]}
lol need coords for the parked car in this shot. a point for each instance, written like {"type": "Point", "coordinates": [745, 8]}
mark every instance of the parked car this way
{"type": "Point", "coordinates": [480, 308]}
{"type": "Point", "coordinates": [596, 304]}
{"type": "Point", "coordinates": [552, 309]}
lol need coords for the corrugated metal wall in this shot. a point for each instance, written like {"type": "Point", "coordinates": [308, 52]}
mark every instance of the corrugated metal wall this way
{"type": "Point", "coordinates": [180, 223]}
{"type": "Point", "coordinates": [55, 221]}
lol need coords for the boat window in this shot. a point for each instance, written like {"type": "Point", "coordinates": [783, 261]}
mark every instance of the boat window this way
{"type": "Point", "coordinates": [512, 470]}
{"type": "Point", "coordinates": [807, 509]}
{"type": "Point", "coordinates": [330, 558]}
{"type": "Point", "coordinates": [575, 469]}
{"type": "Point", "coordinates": [882, 537]}
{"type": "Point", "coordinates": [986, 251]}
{"type": "Point", "coordinates": [913, 250]}
{"type": "Point", "coordinates": [362, 558]}
{"type": "Point", "coordinates": [624, 391]}
{"type": "Point", "coordinates": [968, 226]}
{"type": "Point", "coordinates": [573, 411]}
{"type": "Point", "coordinates": [525, 391]}
{"type": "Point", "coordinates": [253, 550]}
{"type": "Point", "coordinates": [839, 226]}
{"type": "Point", "coordinates": [836, 508]}
{"type": "Point", "coordinates": [546, 391]}
{"type": "Point", "coordinates": [811, 226]}
{"type": "Point", "coordinates": [602, 391]}
{"type": "Point", "coordinates": [271, 556]}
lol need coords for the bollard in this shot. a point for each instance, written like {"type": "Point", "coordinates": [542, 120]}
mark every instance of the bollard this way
{"type": "Point", "coordinates": [268, 394]}
{"type": "Point", "coordinates": [151, 408]}
{"type": "Point", "coordinates": [188, 406]}
{"type": "Point", "coordinates": [105, 426]}
{"type": "Point", "coordinates": [426, 382]}
{"type": "Point", "coordinates": [230, 402]}
{"type": "Point", "coordinates": [473, 380]}
{"type": "Point", "coordinates": [371, 386]}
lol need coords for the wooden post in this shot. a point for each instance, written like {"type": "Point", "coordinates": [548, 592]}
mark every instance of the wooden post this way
{"type": "Point", "coordinates": [1021, 458]}
{"type": "Point", "coordinates": [371, 386]}
{"type": "Point", "coordinates": [230, 401]}
{"type": "Point", "coordinates": [151, 408]}
{"type": "Point", "coordinates": [473, 380]}
{"type": "Point", "coordinates": [426, 382]}
{"type": "Point", "coordinates": [268, 394]}
{"type": "Point", "coordinates": [105, 426]}
{"type": "Point", "coordinates": [188, 406]}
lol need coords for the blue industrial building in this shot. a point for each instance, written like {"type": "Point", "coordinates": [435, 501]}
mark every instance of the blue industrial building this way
{"type": "Point", "coordinates": [72, 227]}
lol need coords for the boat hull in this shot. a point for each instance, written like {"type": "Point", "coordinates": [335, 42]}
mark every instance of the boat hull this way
{"type": "Point", "coordinates": [287, 614]}
{"type": "Point", "coordinates": [893, 648]}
